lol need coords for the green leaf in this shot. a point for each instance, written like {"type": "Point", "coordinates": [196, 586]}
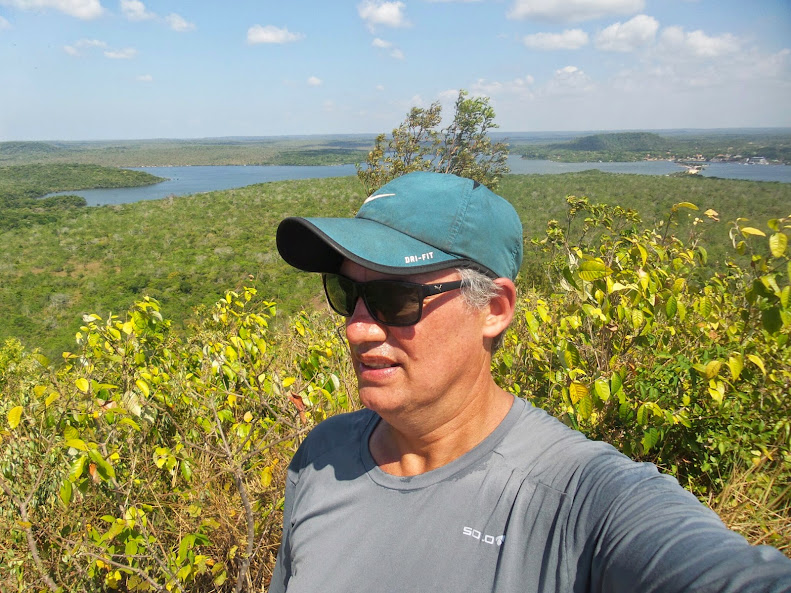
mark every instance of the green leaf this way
{"type": "Point", "coordinates": [593, 269]}
{"type": "Point", "coordinates": [105, 470]}
{"type": "Point", "coordinates": [671, 307]}
{"type": "Point", "coordinates": [615, 383]}
{"type": "Point", "coordinates": [185, 545]}
{"type": "Point", "coordinates": [771, 320]}
{"type": "Point", "coordinates": [785, 297]}
{"type": "Point", "coordinates": [650, 439]}
{"type": "Point", "coordinates": [116, 528]}
{"type": "Point", "coordinates": [78, 444]}
{"type": "Point", "coordinates": [571, 356]}
{"type": "Point", "coordinates": [14, 417]}
{"type": "Point", "coordinates": [585, 406]}
{"type": "Point", "coordinates": [65, 492]}
{"type": "Point", "coordinates": [643, 414]}
{"type": "Point", "coordinates": [77, 468]}
{"type": "Point", "coordinates": [601, 389]}
{"type": "Point", "coordinates": [705, 307]}
{"type": "Point", "coordinates": [777, 244]}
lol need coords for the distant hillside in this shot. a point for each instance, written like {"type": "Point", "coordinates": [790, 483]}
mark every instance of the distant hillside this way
{"type": "Point", "coordinates": [628, 141]}
{"type": "Point", "coordinates": [736, 146]}
{"type": "Point", "coordinates": [12, 151]}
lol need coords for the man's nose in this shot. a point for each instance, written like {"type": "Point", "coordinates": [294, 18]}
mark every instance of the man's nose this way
{"type": "Point", "coordinates": [362, 327]}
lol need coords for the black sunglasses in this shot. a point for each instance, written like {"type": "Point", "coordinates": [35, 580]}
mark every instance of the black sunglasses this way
{"type": "Point", "coordinates": [390, 302]}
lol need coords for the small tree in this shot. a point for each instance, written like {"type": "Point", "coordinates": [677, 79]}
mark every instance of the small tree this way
{"type": "Point", "coordinates": [463, 148]}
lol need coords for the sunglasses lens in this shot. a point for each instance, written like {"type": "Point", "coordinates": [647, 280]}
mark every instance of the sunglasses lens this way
{"type": "Point", "coordinates": [393, 303]}
{"type": "Point", "coordinates": [341, 293]}
{"type": "Point", "coordinates": [389, 302]}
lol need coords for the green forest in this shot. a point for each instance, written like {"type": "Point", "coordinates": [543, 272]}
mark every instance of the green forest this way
{"type": "Point", "coordinates": [775, 146]}
{"type": "Point", "coordinates": [292, 150]}
{"type": "Point", "coordinates": [159, 363]}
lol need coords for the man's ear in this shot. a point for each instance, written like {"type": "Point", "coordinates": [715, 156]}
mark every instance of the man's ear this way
{"type": "Point", "coordinates": [501, 309]}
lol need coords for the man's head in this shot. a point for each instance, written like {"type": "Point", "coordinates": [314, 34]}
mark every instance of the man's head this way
{"type": "Point", "coordinates": [424, 276]}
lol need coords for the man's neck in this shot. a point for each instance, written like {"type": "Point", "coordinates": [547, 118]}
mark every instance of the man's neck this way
{"type": "Point", "coordinates": [403, 448]}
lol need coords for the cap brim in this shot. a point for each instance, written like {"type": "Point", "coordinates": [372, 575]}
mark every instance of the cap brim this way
{"type": "Point", "coordinates": [321, 245]}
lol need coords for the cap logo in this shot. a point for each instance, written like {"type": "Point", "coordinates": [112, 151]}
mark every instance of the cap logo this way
{"type": "Point", "coordinates": [372, 198]}
{"type": "Point", "coordinates": [411, 259]}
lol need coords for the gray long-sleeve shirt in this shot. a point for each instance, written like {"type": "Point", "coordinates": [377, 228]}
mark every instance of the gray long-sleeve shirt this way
{"type": "Point", "coordinates": [536, 507]}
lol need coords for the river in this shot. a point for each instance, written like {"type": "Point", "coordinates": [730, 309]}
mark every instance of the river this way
{"type": "Point", "coordinates": [192, 180]}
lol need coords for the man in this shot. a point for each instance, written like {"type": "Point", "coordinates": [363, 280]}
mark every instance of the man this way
{"type": "Point", "coordinates": [445, 482]}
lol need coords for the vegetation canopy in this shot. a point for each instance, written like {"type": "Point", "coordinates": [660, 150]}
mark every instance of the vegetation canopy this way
{"type": "Point", "coordinates": [464, 148]}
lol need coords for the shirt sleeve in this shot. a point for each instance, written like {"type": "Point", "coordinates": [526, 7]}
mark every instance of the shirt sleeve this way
{"type": "Point", "coordinates": [648, 534]}
{"type": "Point", "coordinates": [282, 572]}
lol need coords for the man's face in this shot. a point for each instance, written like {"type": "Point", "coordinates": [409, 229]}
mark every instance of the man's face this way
{"type": "Point", "coordinates": [429, 367]}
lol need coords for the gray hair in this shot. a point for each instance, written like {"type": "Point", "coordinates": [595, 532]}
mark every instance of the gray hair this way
{"type": "Point", "coordinates": [477, 289]}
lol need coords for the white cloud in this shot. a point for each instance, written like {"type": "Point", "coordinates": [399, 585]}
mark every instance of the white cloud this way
{"type": "Point", "coordinates": [569, 39]}
{"type": "Point", "coordinates": [4, 24]}
{"type": "Point", "coordinates": [179, 23]}
{"type": "Point", "coordinates": [674, 41]}
{"type": "Point", "coordinates": [314, 81]}
{"type": "Point", "coordinates": [519, 87]}
{"type": "Point", "coordinates": [449, 1]}
{"type": "Point", "coordinates": [633, 34]}
{"type": "Point", "coordinates": [572, 10]}
{"type": "Point", "coordinates": [380, 87]}
{"type": "Point", "coordinates": [568, 80]}
{"type": "Point", "coordinates": [394, 52]}
{"type": "Point", "coordinates": [121, 54]}
{"type": "Point", "coordinates": [271, 34]}
{"type": "Point", "coordinates": [81, 9]}
{"type": "Point", "coordinates": [135, 10]}
{"type": "Point", "coordinates": [389, 14]}
{"type": "Point", "coordinates": [76, 48]}
{"type": "Point", "coordinates": [145, 78]}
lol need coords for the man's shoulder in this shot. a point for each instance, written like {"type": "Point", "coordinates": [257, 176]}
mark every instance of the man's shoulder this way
{"type": "Point", "coordinates": [339, 432]}
{"type": "Point", "coordinates": [547, 451]}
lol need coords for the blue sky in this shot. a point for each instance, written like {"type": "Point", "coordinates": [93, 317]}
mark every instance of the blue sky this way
{"type": "Point", "coordinates": [110, 69]}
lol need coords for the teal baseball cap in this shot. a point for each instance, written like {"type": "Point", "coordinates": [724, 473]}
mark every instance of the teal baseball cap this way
{"type": "Point", "coordinates": [419, 222]}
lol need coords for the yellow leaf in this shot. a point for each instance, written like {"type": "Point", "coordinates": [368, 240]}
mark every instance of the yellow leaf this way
{"type": "Point", "coordinates": [688, 205]}
{"type": "Point", "coordinates": [143, 387]}
{"type": "Point", "coordinates": [736, 363]}
{"type": "Point", "coordinates": [82, 384]}
{"type": "Point", "coordinates": [232, 399]}
{"type": "Point", "coordinates": [288, 381]}
{"type": "Point", "coordinates": [51, 398]}
{"type": "Point", "coordinates": [777, 244]}
{"type": "Point", "coordinates": [713, 368]}
{"type": "Point", "coordinates": [266, 476]}
{"type": "Point", "coordinates": [248, 416]}
{"type": "Point", "coordinates": [577, 391]}
{"type": "Point", "coordinates": [14, 417]}
{"type": "Point", "coordinates": [748, 230]}
{"type": "Point", "coordinates": [758, 362]}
